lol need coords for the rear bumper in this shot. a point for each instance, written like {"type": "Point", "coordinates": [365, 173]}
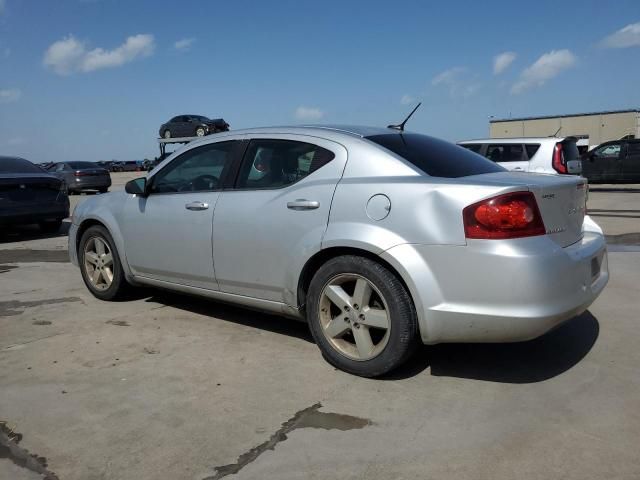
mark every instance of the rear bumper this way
{"type": "Point", "coordinates": [90, 183]}
{"type": "Point", "coordinates": [501, 291]}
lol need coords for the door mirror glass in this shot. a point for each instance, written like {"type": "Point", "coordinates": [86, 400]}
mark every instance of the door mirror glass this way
{"type": "Point", "coordinates": [137, 186]}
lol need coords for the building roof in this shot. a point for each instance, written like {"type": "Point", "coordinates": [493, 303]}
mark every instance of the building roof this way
{"type": "Point", "coordinates": [546, 117]}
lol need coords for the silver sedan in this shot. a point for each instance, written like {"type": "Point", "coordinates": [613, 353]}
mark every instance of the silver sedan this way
{"type": "Point", "coordinates": [378, 238]}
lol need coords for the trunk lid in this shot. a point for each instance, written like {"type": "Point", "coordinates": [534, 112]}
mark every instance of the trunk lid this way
{"type": "Point", "coordinates": [561, 200]}
{"type": "Point", "coordinates": [29, 189]}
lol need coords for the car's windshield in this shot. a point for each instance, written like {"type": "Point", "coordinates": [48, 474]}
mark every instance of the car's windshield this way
{"type": "Point", "coordinates": [81, 165]}
{"type": "Point", "coordinates": [435, 157]}
{"type": "Point", "coordinates": [18, 165]}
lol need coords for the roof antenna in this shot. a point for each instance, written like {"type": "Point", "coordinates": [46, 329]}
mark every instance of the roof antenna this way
{"type": "Point", "coordinates": [400, 126]}
{"type": "Point", "coordinates": [557, 132]}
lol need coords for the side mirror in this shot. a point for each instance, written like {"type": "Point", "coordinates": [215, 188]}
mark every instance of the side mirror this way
{"type": "Point", "coordinates": [137, 186]}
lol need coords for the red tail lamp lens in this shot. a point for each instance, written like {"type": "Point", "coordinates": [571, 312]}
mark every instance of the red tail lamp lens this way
{"type": "Point", "coordinates": [512, 215]}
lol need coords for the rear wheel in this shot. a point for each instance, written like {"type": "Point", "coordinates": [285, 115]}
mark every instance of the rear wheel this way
{"type": "Point", "coordinates": [100, 264]}
{"type": "Point", "coordinates": [361, 316]}
{"type": "Point", "coordinates": [200, 132]}
{"type": "Point", "coordinates": [50, 226]}
{"type": "Point", "coordinates": [103, 190]}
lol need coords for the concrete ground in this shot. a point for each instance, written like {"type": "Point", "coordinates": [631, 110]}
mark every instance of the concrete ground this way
{"type": "Point", "coordinates": [172, 387]}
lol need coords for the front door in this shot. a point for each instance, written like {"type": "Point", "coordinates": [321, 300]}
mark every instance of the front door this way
{"type": "Point", "coordinates": [604, 164]}
{"type": "Point", "coordinates": [276, 215]}
{"type": "Point", "coordinates": [167, 235]}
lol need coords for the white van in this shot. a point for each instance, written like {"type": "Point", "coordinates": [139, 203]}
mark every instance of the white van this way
{"type": "Point", "coordinates": [554, 155]}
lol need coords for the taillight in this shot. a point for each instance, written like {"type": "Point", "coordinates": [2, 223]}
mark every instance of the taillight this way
{"type": "Point", "coordinates": [558, 163]}
{"type": "Point", "coordinates": [512, 215]}
{"type": "Point", "coordinates": [80, 174]}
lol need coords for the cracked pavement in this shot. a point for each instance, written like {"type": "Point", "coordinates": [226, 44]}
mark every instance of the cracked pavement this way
{"type": "Point", "coordinates": [171, 387]}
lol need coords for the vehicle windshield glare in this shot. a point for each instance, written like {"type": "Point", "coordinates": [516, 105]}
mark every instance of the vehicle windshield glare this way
{"type": "Point", "coordinates": [434, 157]}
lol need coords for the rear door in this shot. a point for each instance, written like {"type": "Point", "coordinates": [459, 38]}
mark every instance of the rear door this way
{"type": "Point", "coordinates": [631, 162]}
{"type": "Point", "coordinates": [511, 156]}
{"type": "Point", "coordinates": [276, 215]}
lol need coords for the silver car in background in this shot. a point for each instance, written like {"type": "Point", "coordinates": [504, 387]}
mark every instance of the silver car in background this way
{"type": "Point", "coordinates": [378, 238]}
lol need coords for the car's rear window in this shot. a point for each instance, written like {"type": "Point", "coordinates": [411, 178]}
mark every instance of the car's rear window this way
{"type": "Point", "coordinates": [18, 165]}
{"type": "Point", "coordinates": [435, 157]}
{"type": "Point", "coordinates": [79, 165]}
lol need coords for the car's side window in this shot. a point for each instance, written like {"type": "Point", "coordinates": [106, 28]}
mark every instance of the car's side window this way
{"type": "Point", "coordinates": [474, 147]}
{"type": "Point", "coordinates": [532, 149]}
{"type": "Point", "coordinates": [509, 152]}
{"type": "Point", "coordinates": [608, 151]}
{"type": "Point", "coordinates": [197, 170]}
{"type": "Point", "coordinates": [278, 163]}
{"type": "Point", "coordinates": [60, 167]}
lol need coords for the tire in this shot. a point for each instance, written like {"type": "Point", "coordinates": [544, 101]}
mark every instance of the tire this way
{"type": "Point", "coordinates": [101, 288]}
{"type": "Point", "coordinates": [200, 132]}
{"type": "Point", "coordinates": [339, 332]}
{"type": "Point", "coordinates": [103, 190]}
{"type": "Point", "coordinates": [51, 226]}
{"type": "Point", "coordinates": [166, 134]}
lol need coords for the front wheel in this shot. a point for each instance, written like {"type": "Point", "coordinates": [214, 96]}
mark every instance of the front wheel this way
{"type": "Point", "coordinates": [361, 316]}
{"type": "Point", "coordinates": [200, 132]}
{"type": "Point", "coordinates": [167, 134]}
{"type": "Point", "coordinates": [103, 190]}
{"type": "Point", "coordinates": [100, 264]}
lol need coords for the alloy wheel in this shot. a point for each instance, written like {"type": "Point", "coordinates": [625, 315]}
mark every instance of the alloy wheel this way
{"type": "Point", "coordinates": [98, 263]}
{"type": "Point", "coordinates": [354, 317]}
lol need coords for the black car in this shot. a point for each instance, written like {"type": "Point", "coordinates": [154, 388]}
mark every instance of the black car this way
{"type": "Point", "coordinates": [82, 176]}
{"type": "Point", "coordinates": [29, 195]}
{"type": "Point", "coordinates": [613, 162]}
{"type": "Point", "coordinates": [126, 166]}
{"type": "Point", "coordinates": [192, 126]}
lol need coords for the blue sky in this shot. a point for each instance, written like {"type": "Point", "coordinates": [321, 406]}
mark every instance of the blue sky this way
{"type": "Point", "coordinates": [94, 79]}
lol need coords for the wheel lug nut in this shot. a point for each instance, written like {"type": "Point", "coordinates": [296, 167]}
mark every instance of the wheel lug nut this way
{"type": "Point", "coordinates": [346, 319]}
{"type": "Point", "coordinates": [361, 316]}
{"type": "Point", "coordinates": [346, 309]}
{"type": "Point", "coordinates": [355, 305]}
{"type": "Point", "coordinates": [357, 325]}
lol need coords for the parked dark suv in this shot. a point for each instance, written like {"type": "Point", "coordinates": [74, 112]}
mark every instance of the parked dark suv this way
{"type": "Point", "coordinates": [613, 162]}
{"type": "Point", "coordinates": [192, 126]}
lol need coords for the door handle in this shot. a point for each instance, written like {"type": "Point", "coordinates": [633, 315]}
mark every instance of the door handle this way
{"type": "Point", "coordinates": [302, 204]}
{"type": "Point", "coordinates": [518, 169]}
{"type": "Point", "coordinates": [196, 206]}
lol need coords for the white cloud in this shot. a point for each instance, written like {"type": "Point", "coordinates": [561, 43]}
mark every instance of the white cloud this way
{"type": "Point", "coordinates": [407, 100]}
{"type": "Point", "coordinates": [70, 55]}
{"type": "Point", "coordinates": [628, 36]}
{"type": "Point", "coordinates": [502, 61]}
{"type": "Point", "coordinates": [548, 66]}
{"type": "Point", "coordinates": [448, 77]}
{"type": "Point", "coordinates": [141, 45]}
{"type": "Point", "coordinates": [308, 113]}
{"type": "Point", "coordinates": [9, 95]}
{"type": "Point", "coordinates": [458, 80]}
{"type": "Point", "coordinates": [64, 56]}
{"type": "Point", "coordinates": [184, 45]}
